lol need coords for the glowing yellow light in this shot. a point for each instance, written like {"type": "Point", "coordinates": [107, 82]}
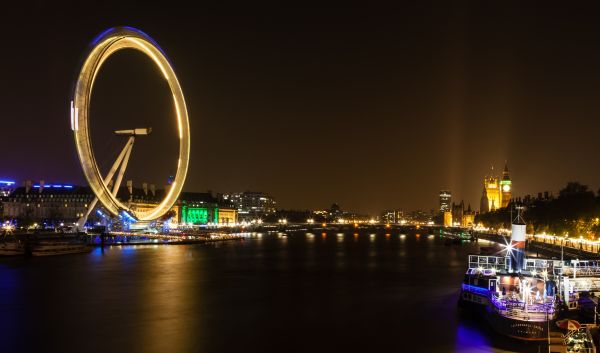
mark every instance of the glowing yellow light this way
{"type": "Point", "coordinates": [151, 54]}
{"type": "Point", "coordinates": [112, 41]}
{"type": "Point", "coordinates": [178, 117]}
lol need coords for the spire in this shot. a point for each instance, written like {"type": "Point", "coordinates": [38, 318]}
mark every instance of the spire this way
{"type": "Point", "coordinates": [505, 175]}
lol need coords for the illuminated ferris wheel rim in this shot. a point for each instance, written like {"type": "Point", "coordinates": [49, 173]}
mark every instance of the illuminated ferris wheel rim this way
{"type": "Point", "coordinates": [102, 47]}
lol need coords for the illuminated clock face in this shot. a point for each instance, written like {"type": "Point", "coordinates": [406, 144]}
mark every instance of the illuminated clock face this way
{"type": "Point", "coordinates": [506, 188]}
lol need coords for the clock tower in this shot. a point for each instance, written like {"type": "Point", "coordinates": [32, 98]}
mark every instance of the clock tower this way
{"type": "Point", "coordinates": [505, 187]}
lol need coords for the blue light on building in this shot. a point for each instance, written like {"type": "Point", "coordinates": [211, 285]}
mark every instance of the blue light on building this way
{"type": "Point", "coordinates": [56, 186]}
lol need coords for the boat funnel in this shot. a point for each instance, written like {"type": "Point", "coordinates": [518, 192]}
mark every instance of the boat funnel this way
{"type": "Point", "coordinates": [517, 242]}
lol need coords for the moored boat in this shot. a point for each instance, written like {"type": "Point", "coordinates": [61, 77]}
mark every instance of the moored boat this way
{"type": "Point", "coordinates": [518, 296]}
{"type": "Point", "coordinates": [12, 248]}
{"type": "Point", "coordinates": [518, 306]}
{"type": "Point", "coordinates": [51, 247]}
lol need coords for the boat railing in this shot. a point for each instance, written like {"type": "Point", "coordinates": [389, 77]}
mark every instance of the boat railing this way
{"type": "Point", "coordinates": [487, 262]}
{"type": "Point", "coordinates": [585, 283]}
{"type": "Point", "coordinates": [519, 313]}
{"type": "Point", "coordinates": [475, 289]}
{"type": "Point", "coordinates": [582, 271]}
{"type": "Point", "coordinates": [541, 265]}
{"type": "Point", "coordinates": [524, 315]}
{"type": "Point", "coordinates": [516, 308]}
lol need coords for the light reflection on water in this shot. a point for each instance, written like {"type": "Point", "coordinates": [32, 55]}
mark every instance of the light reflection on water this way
{"type": "Point", "coordinates": [470, 339]}
{"type": "Point", "coordinates": [175, 320]}
{"type": "Point", "coordinates": [9, 313]}
{"type": "Point", "coordinates": [267, 293]}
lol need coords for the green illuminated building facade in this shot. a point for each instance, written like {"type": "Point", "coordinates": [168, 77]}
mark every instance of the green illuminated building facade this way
{"type": "Point", "coordinates": [199, 215]}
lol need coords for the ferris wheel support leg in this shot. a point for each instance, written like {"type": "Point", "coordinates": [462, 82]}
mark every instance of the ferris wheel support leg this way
{"type": "Point", "coordinates": [124, 155]}
{"type": "Point", "coordinates": [119, 179]}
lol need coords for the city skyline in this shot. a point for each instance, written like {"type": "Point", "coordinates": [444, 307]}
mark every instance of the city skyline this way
{"type": "Point", "coordinates": [223, 177]}
{"type": "Point", "coordinates": [370, 108]}
{"type": "Point", "coordinates": [445, 198]}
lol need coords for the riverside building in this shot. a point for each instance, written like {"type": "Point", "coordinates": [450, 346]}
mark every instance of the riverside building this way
{"type": "Point", "coordinates": [497, 191]}
{"type": "Point", "coordinates": [50, 204]}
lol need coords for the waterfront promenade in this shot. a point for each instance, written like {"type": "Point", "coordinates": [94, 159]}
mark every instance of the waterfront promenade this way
{"type": "Point", "coordinates": [550, 245]}
{"type": "Point", "coordinates": [543, 243]}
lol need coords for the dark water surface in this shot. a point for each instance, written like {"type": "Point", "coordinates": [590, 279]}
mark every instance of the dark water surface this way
{"type": "Point", "coordinates": [301, 293]}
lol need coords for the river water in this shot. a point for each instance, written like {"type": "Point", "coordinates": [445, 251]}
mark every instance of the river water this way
{"type": "Point", "coordinates": [305, 292]}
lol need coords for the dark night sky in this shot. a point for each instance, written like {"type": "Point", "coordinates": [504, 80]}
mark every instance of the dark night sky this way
{"type": "Point", "coordinates": [370, 107]}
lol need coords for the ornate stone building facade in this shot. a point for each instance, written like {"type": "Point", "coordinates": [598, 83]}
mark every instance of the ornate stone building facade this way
{"type": "Point", "coordinates": [496, 191]}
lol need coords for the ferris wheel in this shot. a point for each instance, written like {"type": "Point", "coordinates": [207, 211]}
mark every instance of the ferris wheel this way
{"type": "Point", "coordinates": [102, 47]}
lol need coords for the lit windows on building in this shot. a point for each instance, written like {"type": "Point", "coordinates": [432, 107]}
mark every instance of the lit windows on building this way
{"type": "Point", "coordinates": [445, 200]}
{"type": "Point", "coordinates": [250, 205]}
